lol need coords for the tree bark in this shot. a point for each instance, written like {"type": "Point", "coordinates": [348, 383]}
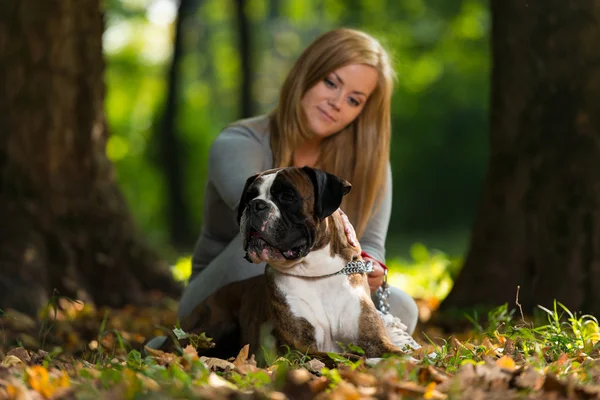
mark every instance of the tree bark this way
{"type": "Point", "coordinates": [245, 51]}
{"type": "Point", "coordinates": [65, 224]}
{"type": "Point", "coordinates": [538, 226]}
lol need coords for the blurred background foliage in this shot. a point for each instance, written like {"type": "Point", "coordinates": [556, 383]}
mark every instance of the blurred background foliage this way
{"type": "Point", "coordinates": [440, 109]}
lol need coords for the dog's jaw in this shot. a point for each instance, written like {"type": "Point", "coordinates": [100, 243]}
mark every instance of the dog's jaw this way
{"type": "Point", "coordinates": [317, 263]}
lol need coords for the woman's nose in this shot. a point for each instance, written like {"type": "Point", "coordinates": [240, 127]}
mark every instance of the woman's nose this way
{"type": "Point", "coordinates": [334, 101]}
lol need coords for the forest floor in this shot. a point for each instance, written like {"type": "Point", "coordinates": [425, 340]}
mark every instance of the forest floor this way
{"type": "Point", "coordinates": [77, 351]}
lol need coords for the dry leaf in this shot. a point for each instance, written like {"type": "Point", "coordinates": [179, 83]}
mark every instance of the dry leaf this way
{"type": "Point", "coordinates": [161, 357]}
{"type": "Point", "coordinates": [430, 373]}
{"type": "Point", "coordinates": [506, 362]}
{"type": "Point", "coordinates": [342, 391]}
{"type": "Point", "coordinates": [563, 358]}
{"type": "Point", "coordinates": [10, 361]}
{"type": "Point", "coordinates": [190, 351]}
{"type": "Point", "coordinates": [314, 365]}
{"type": "Point", "coordinates": [318, 385]}
{"type": "Point", "coordinates": [357, 378]}
{"type": "Point", "coordinates": [21, 354]}
{"type": "Point", "coordinates": [298, 376]}
{"type": "Point", "coordinates": [529, 378]}
{"type": "Point", "coordinates": [242, 356]}
{"type": "Point", "coordinates": [217, 363]}
{"type": "Point", "coordinates": [509, 347]}
{"type": "Point", "coordinates": [411, 389]}
{"type": "Point", "coordinates": [430, 391]}
{"type": "Point", "coordinates": [216, 381]}
{"type": "Point", "coordinates": [38, 378]}
{"type": "Point", "coordinates": [490, 347]}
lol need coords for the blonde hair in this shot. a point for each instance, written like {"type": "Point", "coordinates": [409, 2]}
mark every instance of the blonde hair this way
{"type": "Point", "coordinates": [360, 152]}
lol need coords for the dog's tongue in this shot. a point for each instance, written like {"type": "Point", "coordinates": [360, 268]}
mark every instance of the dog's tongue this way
{"type": "Point", "coordinates": [259, 251]}
{"type": "Point", "coordinates": [265, 255]}
{"type": "Point", "coordinates": [290, 254]}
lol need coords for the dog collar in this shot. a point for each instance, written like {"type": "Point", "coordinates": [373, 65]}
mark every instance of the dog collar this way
{"type": "Point", "coordinates": [353, 267]}
{"type": "Point", "coordinates": [356, 267]}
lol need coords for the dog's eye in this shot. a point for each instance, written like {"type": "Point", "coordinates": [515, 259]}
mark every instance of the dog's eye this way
{"type": "Point", "coordinates": [286, 197]}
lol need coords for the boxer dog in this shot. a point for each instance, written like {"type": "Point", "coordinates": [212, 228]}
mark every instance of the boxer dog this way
{"type": "Point", "coordinates": [314, 292]}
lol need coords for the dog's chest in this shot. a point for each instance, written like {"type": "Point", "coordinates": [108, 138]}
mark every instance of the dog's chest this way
{"type": "Point", "coordinates": [331, 305]}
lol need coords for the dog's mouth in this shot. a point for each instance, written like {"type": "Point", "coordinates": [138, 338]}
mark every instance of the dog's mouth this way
{"type": "Point", "coordinates": [258, 249]}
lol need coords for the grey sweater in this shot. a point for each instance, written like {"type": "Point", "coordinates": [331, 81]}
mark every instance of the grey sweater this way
{"type": "Point", "coordinates": [239, 151]}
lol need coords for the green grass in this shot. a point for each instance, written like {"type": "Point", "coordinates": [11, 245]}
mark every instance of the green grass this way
{"type": "Point", "coordinates": [76, 350]}
{"type": "Point", "coordinates": [509, 357]}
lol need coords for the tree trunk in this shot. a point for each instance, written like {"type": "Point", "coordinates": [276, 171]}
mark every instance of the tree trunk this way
{"type": "Point", "coordinates": [65, 224]}
{"type": "Point", "coordinates": [172, 153]}
{"type": "Point", "coordinates": [245, 50]}
{"type": "Point", "coordinates": [539, 221]}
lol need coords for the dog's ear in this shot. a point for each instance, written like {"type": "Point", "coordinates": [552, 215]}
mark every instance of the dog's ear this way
{"type": "Point", "coordinates": [329, 190]}
{"type": "Point", "coordinates": [245, 198]}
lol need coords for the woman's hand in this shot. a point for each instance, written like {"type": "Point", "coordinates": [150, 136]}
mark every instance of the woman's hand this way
{"type": "Point", "coordinates": [375, 277]}
{"type": "Point", "coordinates": [348, 229]}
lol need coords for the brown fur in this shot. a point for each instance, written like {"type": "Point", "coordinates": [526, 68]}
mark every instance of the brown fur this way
{"type": "Point", "coordinates": [372, 337]}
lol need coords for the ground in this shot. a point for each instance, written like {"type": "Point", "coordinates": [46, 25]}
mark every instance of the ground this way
{"type": "Point", "coordinates": [77, 351]}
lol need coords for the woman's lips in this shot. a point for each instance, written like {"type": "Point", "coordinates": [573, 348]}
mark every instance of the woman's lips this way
{"type": "Point", "coordinates": [323, 112]}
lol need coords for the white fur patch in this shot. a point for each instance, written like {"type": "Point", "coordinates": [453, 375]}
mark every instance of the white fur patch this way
{"type": "Point", "coordinates": [264, 193]}
{"type": "Point", "coordinates": [317, 263]}
{"type": "Point", "coordinates": [332, 305]}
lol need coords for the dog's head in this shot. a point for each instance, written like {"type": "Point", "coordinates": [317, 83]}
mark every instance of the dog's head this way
{"type": "Point", "coordinates": [281, 210]}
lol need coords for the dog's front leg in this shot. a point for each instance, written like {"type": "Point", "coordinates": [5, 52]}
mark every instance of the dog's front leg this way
{"type": "Point", "coordinates": [373, 337]}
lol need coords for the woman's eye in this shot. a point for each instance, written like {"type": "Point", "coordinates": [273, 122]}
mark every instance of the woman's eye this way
{"type": "Point", "coordinates": [354, 102]}
{"type": "Point", "coordinates": [329, 83]}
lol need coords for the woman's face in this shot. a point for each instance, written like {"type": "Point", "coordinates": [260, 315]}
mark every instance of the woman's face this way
{"type": "Point", "coordinates": [336, 101]}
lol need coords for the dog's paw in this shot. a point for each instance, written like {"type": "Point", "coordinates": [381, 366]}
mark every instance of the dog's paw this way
{"type": "Point", "coordinates": [397, 333]}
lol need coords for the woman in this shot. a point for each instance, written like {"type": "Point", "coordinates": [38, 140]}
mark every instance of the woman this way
{"type": "Point", "coordinates": [333, 114]}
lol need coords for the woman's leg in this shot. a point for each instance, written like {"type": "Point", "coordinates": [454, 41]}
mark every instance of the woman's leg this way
{"type": "Point", "coordinates": [404, 307]}
{"type": "Point", "coordinates": [227, 267]}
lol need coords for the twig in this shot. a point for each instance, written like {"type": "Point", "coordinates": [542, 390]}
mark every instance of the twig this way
{"type": "Point", "coordinates": [519, 305]}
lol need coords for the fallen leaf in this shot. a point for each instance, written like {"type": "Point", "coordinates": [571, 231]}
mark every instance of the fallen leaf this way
{"type": "Point", "coordinates": [562, 359]}
{"type": "Point", "coordinates": [430, 391]}
{"type": "Point", "coordinates": [314, 365]}
{"type": "Point", "coordinates": [217, 363]}
{"type": "Point", "coordinates": [490, 347]}
{"type": "Point", "coordinates": [216, 381]}
{"type": "Point", "coordinates": [161, 357]}
{"type": "Point", "coordinates": [242, 356]}
{"type": "Point", "coordinates": [318, 385]}
{"type": "Point", "coordinates": [190, 351]}
{"type": "Point", "coordinates": [506, 362]}
{"type": "Point", "coordinates": [430, 373]}
{"type": "Point", "coordinates": [21, 354]}
{"type": "Point", "coordinates": [553, 384]}
{"type": "Point", "coordinates": [529, 378]}
{"type": "Point", "coordinates": [342, 391]}
{"type": "Point", "coordinates": [10, 361]}
{"type": "Point", "coordinates": [411, 389]}
{"type": "Point", "coordinates": [38, 378]}
{"type": "Point", "coordinates": [357, 378]}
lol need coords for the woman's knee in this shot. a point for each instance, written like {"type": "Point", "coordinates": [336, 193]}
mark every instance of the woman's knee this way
{"type": "Point", "coordinates": [403, 306]}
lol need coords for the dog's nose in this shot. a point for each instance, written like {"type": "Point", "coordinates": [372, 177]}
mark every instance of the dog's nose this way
{"type": "Point", "coordinates": [257, 205]}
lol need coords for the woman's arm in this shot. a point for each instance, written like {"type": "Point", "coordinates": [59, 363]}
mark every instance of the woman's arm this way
{"type": "Point", "coordinates": [236, 154]}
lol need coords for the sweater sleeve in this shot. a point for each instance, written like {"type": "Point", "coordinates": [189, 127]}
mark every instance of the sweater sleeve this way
{"type": "Point", "coordinates": [235, 155]}
{"type": "Point", "coordinates": [372, 241]}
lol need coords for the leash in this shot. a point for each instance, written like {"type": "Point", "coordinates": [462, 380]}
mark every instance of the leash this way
{"type": "Point", "coordinates": [382, 294]}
